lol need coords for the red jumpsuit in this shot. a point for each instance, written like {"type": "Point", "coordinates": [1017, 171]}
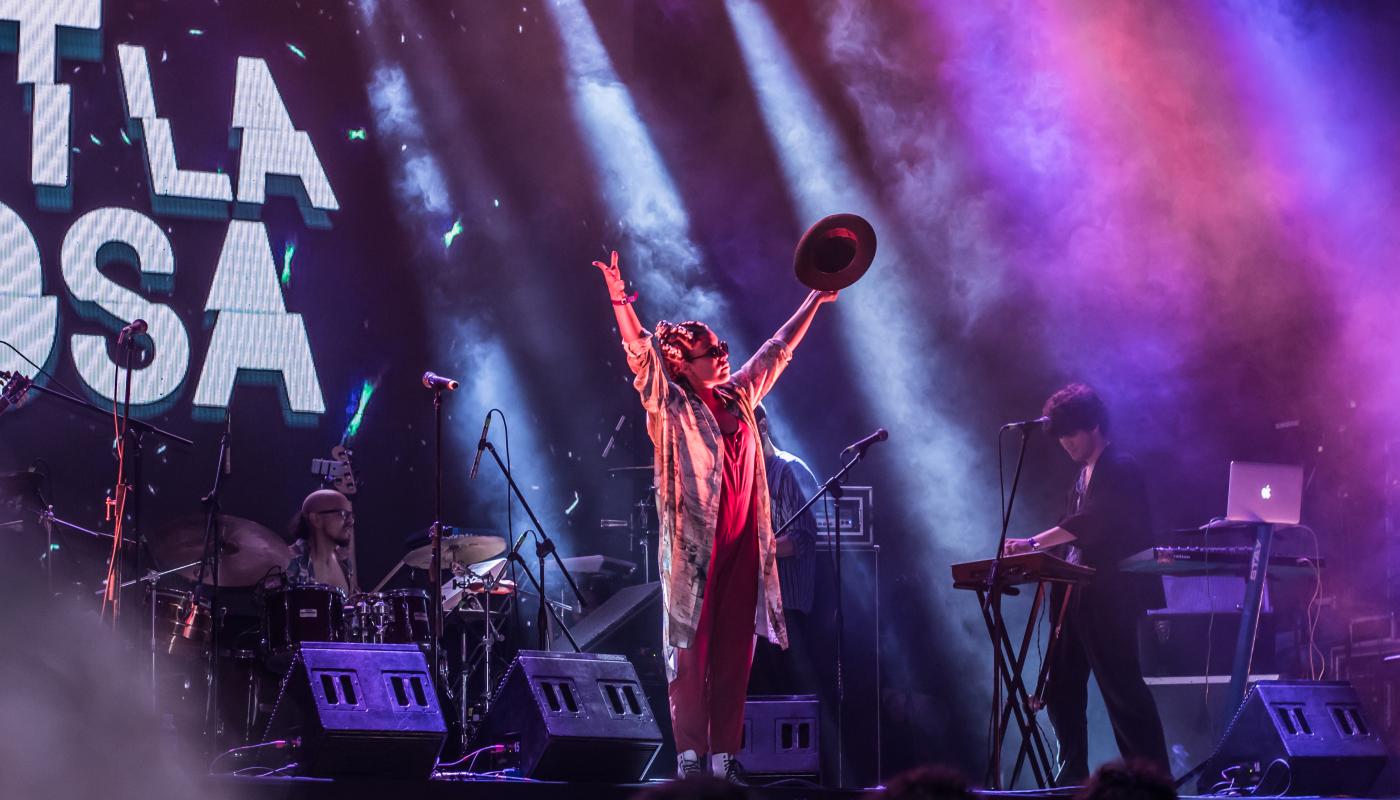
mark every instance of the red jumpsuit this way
{"type": "Point", "coordinates": [712, 675]}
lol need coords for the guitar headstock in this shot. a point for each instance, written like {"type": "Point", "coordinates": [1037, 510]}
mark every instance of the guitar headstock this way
{"type": "Point", "coordinates": [15, 387]}
{"type": "Point", "coordinates": [337, 472]}
{"type": "Point", "coordinates": [344, 481]}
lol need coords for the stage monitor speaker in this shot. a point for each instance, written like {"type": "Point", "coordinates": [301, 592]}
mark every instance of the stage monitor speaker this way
{"type": "Point", "coordinates": [360, 709]}
{"type": "Point", "coordinates": [1299, 738]}
{"type": "Point", "coordinates": [575, 717]}
{"type": "Point", "coordinates": [609, 618]}
{"type": "Point", "coordinates": [782, 736]}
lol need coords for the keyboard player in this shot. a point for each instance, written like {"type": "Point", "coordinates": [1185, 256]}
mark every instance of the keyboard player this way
{"type": "Point", "coordinates": [1106, 519]}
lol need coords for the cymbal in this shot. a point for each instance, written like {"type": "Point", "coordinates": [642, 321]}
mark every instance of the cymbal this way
{"type": "Point", "coordinates": [459, 549]}
{"type": "Point", "coordinates": [249, 550]}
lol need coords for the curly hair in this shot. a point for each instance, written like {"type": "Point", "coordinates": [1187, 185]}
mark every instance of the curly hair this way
{"type": "Point", "coordinates": [674, 337]}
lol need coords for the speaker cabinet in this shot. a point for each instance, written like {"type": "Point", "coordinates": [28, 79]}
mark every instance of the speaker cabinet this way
{"type": "Point", "coordinates": [860, 599]}
{"type": "Point", "coordinates": [782, 736]}
{"type": "Point", "coordinates": [574, 717]}
{"type": "Point", "coordinates": [360, 709]}
{"type": "Point", "coordinates": [1300, 738]}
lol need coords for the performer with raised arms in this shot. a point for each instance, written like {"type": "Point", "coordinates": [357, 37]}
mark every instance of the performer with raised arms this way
{"type": "Point", "coordinates": [718, 566]}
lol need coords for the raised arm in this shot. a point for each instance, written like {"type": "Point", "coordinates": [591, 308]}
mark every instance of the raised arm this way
{"type": "Point", "coordinates": [796, 327]}
{"type": "Point", "coordinates": [759, 373]}
{"type": "Point", "coordinates": [652, 382]}
{"type": "Point", "coordinates": [627, 322]}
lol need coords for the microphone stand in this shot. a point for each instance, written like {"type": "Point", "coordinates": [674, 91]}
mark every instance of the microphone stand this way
{"type": "Point", "coordinates": [993, 596]}
{"type": "Point", "coordinates": [138, 428]}
{"type": "Point", "coordinates": [213, 551]}
{"type": "Point", "coordinates": [435, 568]}
{"type": "Point", "coordinates": [832, 487]}
{"type": "Point", "coordinates": [543, 549]}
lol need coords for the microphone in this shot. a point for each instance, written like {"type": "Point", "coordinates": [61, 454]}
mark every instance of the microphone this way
{"type": "Point", "coordinates": [136, 328]}
{"type": "Point", "coordinates": [480, 445]}
{"type": "Point", "coordinates": [432, 380]}
{"type": "Point", "coordinates": [1039, 423]}
{"type": "Point", "coordinates": [859, 447]}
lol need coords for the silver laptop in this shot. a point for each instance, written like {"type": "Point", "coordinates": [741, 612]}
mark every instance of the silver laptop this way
{"type": "Point", "coordinates": [1265, 493]}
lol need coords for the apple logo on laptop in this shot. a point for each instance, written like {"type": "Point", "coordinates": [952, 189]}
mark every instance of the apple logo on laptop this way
{"type": "Point", "coordinates": [1267, 492]}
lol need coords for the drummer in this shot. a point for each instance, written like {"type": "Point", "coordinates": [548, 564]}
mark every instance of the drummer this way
{"type": "Point", "coordinates": [324, 550]}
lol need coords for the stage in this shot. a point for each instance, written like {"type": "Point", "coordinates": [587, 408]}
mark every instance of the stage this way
{"type": "Point", "coordinates": [354, 353]}
{"type": "Point", "coordinates": [248, 788]}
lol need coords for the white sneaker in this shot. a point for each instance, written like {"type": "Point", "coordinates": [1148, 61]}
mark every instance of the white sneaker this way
{"type": "Point", "coordinates": [687, 764]}
{"type": "Point", "coordinates": [725, 765]}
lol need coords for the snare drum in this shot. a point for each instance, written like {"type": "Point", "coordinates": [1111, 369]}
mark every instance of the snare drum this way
{"type": "Point", "coordinates": [367, 616]}
{"type": "Point", "coordinates": [409, 622]}
{"type": "Point", "coordinates": [306, 612]}
{"type": "Point", "coordinates": [182, 624]}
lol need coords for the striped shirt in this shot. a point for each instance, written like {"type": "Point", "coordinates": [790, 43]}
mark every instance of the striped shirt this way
{"type": "Point", "coordinates": [790, 484]}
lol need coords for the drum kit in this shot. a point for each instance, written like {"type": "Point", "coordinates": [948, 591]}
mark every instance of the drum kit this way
{"type": "Point", "coordinates": [258, 639]}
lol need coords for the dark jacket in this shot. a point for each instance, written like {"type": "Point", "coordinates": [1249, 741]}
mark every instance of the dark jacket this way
{"type": "Point", "coordinates": [1113, 523]}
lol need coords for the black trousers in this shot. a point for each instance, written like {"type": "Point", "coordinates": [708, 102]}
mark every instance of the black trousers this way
{"type": "Point", "coordinates": [1100, 636]}
{"type": "Point", "coordinates": [791, 671]}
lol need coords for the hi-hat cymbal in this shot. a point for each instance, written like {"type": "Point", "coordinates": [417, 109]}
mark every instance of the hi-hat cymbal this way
{"type": "Point", "coordinates": [249, 549]}
{"type": "Point", "coordinates": [459, 549]}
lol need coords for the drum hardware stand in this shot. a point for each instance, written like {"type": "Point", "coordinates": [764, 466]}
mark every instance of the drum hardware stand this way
{"type": "Point", "coordinates": [543, 549]}
{"type": "Point", "coordinates": [832, 488]}
{"type": "Point", "coordinates": [135, 426]}
{"type": "Point", "coordinates": [470, 604]}
{"type": "Point", "coordinates": [643, 512]}
{"type": "Point", "coordinates": [213, 550]}
{"type": "Point", "coordinates": [152, 577]}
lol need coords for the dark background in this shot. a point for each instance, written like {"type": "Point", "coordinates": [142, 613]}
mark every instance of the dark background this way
{"type": "Point", "coordinates": [1217, 264]}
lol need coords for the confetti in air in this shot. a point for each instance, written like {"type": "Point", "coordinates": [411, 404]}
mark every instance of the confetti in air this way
{"type": "Point", "coordinates": [353, 427]}
{"type": "Point", "coordinates": [357, 134]}
{"type": "Point", "coordinates": [451, 236]}
{"type": "Point", "coordinates": [572, 505]}
{"type": "Point", "coordinates": [296, 51]}
{"type": "Point", "coordinates": [287, 253]}
{"type": "Point", "coordinates": [92, 137]}
{"type": "Point", "coordinates": [196, 32]}
{"type": "Point", "coordinates": [125, 139]}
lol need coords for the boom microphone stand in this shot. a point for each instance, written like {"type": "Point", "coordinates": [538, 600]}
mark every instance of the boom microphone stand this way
{"type": "Point", "coordinates": [543, 549]}
{"type": "Point", "coordinates": [832, 487]}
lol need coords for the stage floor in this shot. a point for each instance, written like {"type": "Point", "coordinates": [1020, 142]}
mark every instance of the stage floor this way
{"type": "Point", "coordinates": [263, 788]}
{"type": "Point", "coordinates": [231, 787]}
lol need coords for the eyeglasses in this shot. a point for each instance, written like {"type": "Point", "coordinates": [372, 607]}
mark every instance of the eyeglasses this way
{"type": "Point", "coordinates": [346, 515]}
{"type": "Point", "coordinates": [718, 351]}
